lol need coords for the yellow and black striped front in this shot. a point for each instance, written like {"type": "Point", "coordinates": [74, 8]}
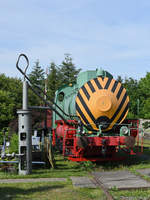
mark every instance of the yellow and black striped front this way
{"type": "Point", "coordinates": [102, 101]}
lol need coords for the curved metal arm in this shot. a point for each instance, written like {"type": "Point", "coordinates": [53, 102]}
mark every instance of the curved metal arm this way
{"type": "Point", "coordinates": [26, 77]}
{"type": "Point", "coordinates": [17, 64]}
{"type": "Point", "coordinates": [51, 102]}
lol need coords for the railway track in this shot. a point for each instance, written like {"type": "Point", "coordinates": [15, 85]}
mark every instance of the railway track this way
{"type": "Point", "coordinates": [97, 182]}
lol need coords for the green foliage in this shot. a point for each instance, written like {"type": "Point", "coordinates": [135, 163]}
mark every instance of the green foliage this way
{"type": "Point", "coordinates": [146, 125]}
{"type": "Point", "coordinates": [11, 89]}
{"type": "Point", "coordinates": [37, 75]}
{"type": "Point", "coordinates": [138, 194]}
{"type": "Point", "coordinates": [38, 79]}
{"type": "Point", "coordinates": [87, 165]}
{"type": "Point", "coordinates": [10, 99]}
{"type": "Point", "coordinates": [4, 133]}
{"type": "Point", "coordinates": [119, 79]}
{"type": "Point", "coordinates": [48, 191]}
{"type": "Point", "coordinates": [114, 189]}
{"type": "Point", "coordinates": [144, 88]}
{"type": "Point", "coordinates": [53, 80]}
{"type": "Point", "coordinates": [145, 110]}
{"type": "Point", "coordinates": [131, 86]}
{"type": "Point", "coordinates": [14, 86]}
{"type": "Point", "coordinates": [14, 144]}
{"type": "Point", "coordinates": [138, 91]}
{"type": "Point", "coordinates": [7, 105]}
{"type": "Point", "coordinates": [144, 85]}
{"type": "Point", "coordinates": [68, 71]}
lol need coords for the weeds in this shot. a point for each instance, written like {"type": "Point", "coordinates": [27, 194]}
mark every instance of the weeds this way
{"type": "Point", "coordinates": [87, 165]}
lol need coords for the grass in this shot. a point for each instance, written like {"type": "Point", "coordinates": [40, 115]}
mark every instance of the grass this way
{"type": "Point", "coordinates": [131, 195]}
{"type": "Point", "coordinates": [146, 142]}
{"type": "Point", "coordinates": [48, 191]}
{"type": "Point", "coordinates": [65, 190]}
{"type": "Point", "coordinates": [132, 164]}
{"type": "Point", "coordinates": [64, 169]}
{"type": "Point", "coordinates": [51, 190]}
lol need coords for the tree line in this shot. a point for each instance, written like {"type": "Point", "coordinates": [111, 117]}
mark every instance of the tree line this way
{"type": "Point", "coordinates": [11, 89]}
{"type": "Point", "coordinates": [58, 75]}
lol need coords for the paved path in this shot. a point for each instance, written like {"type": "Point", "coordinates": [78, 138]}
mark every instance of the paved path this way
{"type": "Point", "coordinates": [29, 180]}
{"type": "Point", "coordinates": [144, 172]}
{"type": "Point", "coordinates": [121, 179]}
{"type": "Point", "coordinates": [82, 182]}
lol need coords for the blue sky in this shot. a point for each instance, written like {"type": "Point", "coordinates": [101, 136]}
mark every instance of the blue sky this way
{"type": "Point", "coordinates": [112, 34]}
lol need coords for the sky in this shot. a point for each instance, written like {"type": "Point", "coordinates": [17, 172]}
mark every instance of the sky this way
{"type": "Point", "coordinates": [109, 34]}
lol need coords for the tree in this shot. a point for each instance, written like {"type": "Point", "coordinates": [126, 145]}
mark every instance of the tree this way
{"type": "Point", "coordinates": [132, 88]}
{"type": "Point", "coordinates": [14, 143]}
{"type": "Point", "coordinates": [14, 86]}
{"type": "Point", "coordinates": [146, 108]}
{"type": "Point", "coordinates": [68, 71]}
{"type": "Point", "coordinates": [144, 90]}
{"type": "Point", "coordinates": [7, 105]}
{"type": "Point", "coordinates": [38, 79]}
{"type": "Point", "coordinates": [119, 79]}
{"type": "Point", "coordinates": [10, 99]}
{"type": "Point", "coordinates": [4, 135]}
{"type": "Point", "coordinates": [53, 80]}
{"type": "Point", "coordinates": [64, 74]}
{"type": "Point", "coordinates": [37, 75]}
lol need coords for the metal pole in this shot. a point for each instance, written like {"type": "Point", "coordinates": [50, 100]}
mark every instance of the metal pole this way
{"type": "Point", "coordinates": [25, 95]}
{"type": "Point", "coordinates": [138, 107]}
{"type": "Point", "coordinates": [25, 133]}
{"type": "Point", "coordinates": [45, 97]}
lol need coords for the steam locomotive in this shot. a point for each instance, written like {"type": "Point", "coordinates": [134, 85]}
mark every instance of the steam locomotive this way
{"type": "Point", "coordinates": [95, 125]}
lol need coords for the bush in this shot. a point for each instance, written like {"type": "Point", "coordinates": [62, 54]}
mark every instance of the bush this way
{"type": "Point", "coordinates": [146, 125]}
{"type": "Point", "coordinates": [87, 165]}
{"type": "Point", "coordinates": [14, 144]}
{"type": "Point", "coordinates": [4, 132]}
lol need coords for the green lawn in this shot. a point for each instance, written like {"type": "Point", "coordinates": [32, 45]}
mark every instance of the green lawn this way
{"type": "Point", "coordinates": [64, 169]}
{"type": "Point", "coordinates": [65, 190]}
{"type": "Point", "coordinates": [131, 194]}
{"type": "Point", "coordinates": [48, 191]}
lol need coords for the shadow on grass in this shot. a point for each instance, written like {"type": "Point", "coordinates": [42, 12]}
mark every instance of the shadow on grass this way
{"type": "Point", "coordinates": [65, 168]}
{"type": "Point", "coordinates": [128, 161]}
{"type": "Point", "coordinates": [11, 192]}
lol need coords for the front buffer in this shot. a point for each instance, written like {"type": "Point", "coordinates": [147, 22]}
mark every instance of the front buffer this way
{"type": "Point", "coordinates": [89, 147]}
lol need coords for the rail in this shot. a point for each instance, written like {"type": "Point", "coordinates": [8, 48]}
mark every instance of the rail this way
{"type": "Point", "coordinates": [101, 186]}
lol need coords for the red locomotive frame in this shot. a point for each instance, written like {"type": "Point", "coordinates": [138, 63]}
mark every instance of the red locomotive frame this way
{"type": "Point", "coordinates": [93, 148]}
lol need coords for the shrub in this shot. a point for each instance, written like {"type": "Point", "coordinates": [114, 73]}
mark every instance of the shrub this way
{"type": "Point", "coordinates": [14, 144]}
{"type": "Point", "coordinates": [146, 125]}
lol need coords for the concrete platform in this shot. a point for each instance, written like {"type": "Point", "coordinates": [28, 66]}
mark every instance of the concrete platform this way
{"type": "Point", "coordinates": [122, 179]}
{"type": "Point", "coordinates": [144, 172]}
{"type": "Point", "coordinates": [82, 182]}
